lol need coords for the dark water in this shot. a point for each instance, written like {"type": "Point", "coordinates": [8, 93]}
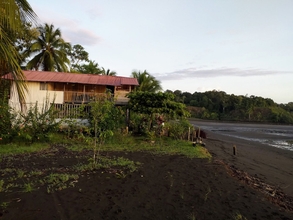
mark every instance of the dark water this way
{"type": "Point", "coordinates": [280, 136]}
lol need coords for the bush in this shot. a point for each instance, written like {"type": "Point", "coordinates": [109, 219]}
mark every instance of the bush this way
{"type": "Point", "coordinates": [37, 123]}
{"type": "Point", "coordinates": [178, 129]}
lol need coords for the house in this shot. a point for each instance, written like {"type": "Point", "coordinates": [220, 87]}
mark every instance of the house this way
{"type": "Point", "coordinates": [70, 90]}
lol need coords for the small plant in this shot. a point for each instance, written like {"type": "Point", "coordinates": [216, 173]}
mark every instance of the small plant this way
{"type": "Point", "coordinates": [28, 187]}
{"type": "Point", "coordinates": [192, 216]}
{"type": "Point", "coordinates": [20, 173]}
{"type": "Point", "coordinates": [4, 205]}
{"type": "Point", "coordinates": [59, 181]}
{"type": "Point", "coordinates": [121, 175]}
{"type": "Point", "coordinates": [206, 195]}
{"type": "Point", "coordinates": [238, 216]}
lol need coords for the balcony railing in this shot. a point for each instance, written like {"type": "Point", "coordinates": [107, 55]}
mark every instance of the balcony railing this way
{"type": "Point", "coordinates": [84, 97]}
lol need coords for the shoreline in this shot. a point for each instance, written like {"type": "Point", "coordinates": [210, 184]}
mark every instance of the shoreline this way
{"type": "Point", "coordinates": [272, 165]}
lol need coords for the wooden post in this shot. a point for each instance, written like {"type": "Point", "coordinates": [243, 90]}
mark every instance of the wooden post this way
{"type": "Point", "coordinates": [198, 135]}
{"type": "Point", "coordinates": [234, 150]}
{"type": "Point", "coordinates": [188, 138]}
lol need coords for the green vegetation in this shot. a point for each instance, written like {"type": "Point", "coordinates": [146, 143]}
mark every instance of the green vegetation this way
{"type": "Point", "coordinates": [217, 105]}
{"type": "Point", "coordinates": [147, 83]}
{"type": "Point", "coordinates": [49, 50]}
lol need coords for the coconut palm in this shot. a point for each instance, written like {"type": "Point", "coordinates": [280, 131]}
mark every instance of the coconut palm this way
{"type": "Point", "coordinates": [108, 72]}
{"type": "Point", "coordinates": [147, 82]}
{"type": "Point", "coordinates": [13, 13]}
{"type": "Point", "coordinates": [91, 68]}
{"type": "Point", "coordinates": [49, 50]}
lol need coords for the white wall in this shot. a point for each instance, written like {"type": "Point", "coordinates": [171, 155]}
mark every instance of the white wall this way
{"type": "Point", "coordinates": [34, 95]}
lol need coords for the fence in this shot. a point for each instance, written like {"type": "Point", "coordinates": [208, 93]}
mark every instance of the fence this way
{"type": "Point", "coordinates": [72, 110]}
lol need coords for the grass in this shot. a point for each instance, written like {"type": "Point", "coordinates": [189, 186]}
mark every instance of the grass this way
{"type": "Point", "coordinates": [119, 142]}
{"type": "Point", "coordinates": [162, 145]}
{"type": "Point", "coordinates": [17, 148]}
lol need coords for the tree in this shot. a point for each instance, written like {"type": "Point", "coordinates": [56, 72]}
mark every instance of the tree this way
{"type": "Point", "coordinates": [108, 72]}
{"type": "Point", "coordinates": [49, 50]}
{"type": "Point", "coordinates": [91, 68]}
{"type": "Point", "coordinates": [77, 54]}
{"type": "Point", "coordinates": [13, 14]}
{"type": "Point", "coordinates": [101, 121]}
{"type": "Point", "coordinates": [147, 82]}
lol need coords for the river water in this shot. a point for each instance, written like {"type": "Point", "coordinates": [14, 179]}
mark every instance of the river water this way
{"type": "Point", "coordinates": [280, 136]}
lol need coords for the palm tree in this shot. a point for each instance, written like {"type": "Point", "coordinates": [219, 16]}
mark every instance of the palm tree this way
{"type": "Point", "coordinates": [147, 82]}
{"type": "Point", "coordinates": [108, 72]}
{"type": "Point", "coordinates": [50, 50]}
{"type": "Point", "coordinates": [91, 68]}
{"type": "Point", "coordinates": [13, 13]}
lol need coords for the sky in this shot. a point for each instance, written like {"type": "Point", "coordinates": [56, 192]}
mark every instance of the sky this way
{"type": "Point", "coordinates": [242, 47]}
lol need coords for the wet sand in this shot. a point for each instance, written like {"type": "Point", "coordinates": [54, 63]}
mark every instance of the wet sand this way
{"type": "Point", "coordinates": [272, 165]}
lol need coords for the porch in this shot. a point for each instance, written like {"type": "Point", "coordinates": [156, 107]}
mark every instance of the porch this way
{"type": "Point", "coordinates": [73, 97]}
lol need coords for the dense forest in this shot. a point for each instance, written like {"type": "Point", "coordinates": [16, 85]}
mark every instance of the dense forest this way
{"type": "Point", "coordinates": [217, 105]}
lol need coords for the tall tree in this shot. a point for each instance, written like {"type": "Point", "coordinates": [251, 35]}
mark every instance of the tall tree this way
{"type": "Point", "coordinates": [49, 50]}
{"type": "Point", "coordinates": [13, 14]}
{"type": "Point", "coordinates": [147, 82]}
{"type": "Point", "coordinates": [77, 55]}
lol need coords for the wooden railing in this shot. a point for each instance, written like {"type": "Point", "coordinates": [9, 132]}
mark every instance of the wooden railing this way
{"type": "Point", "coordinates": [72, 110]}
{"type": "Point", "coordinates": [84, 97]}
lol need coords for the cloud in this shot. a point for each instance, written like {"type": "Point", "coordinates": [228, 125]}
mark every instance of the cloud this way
{"type": "Point", "coordinates": [72, 29]}
{"type": "Point", "coordinates": [81, 36]}
{"type": "Point", "coordinates": [217, 72]}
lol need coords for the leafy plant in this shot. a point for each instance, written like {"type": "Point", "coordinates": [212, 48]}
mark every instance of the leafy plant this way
{"type": "Point", "coordinates": [101, 124]}
{"type": "Point", "coordinates": [37, 122]}
{"type": "Point", "coordinates": [28, 187]}
{"type": "Point", "coordinates": [6, 116]}
{"type": "Point", "coordinates": [150, 106]}
{"type": "Point", "coordinates": [178, 129]}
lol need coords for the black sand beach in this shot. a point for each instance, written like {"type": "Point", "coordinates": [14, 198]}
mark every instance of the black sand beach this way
{"type": "Point", "coordinates": [164, 187]}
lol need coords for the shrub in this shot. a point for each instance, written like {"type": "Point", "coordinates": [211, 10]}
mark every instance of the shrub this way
{"type": "Point", "coordinates": [37, 123]}
{"type": "Point", "coordinates": [178, 129]}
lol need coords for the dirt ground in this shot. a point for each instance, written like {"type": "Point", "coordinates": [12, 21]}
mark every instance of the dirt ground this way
{"type": "Point", "coordinates": [163, 187]}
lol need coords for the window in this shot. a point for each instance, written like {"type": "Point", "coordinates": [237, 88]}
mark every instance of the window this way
{"type": "Point", "coordinates": [43, 86]}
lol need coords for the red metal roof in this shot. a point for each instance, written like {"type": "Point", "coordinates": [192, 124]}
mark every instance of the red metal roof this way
{"type": "Point", "coordinates": [44, 76]}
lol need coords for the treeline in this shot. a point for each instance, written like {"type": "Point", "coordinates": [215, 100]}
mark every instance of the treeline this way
{"type": "Point", "coordinates": [217, 105]}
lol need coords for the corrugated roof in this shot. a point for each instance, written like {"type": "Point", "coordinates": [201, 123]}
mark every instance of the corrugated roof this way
{"type": "Point", "coordinates": [44, 76]}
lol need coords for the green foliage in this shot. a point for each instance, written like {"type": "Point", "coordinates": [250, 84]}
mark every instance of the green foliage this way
{"type": "Point", "coordinates": [148, 106]}
{"type": "Point", "coordinates": [91, 67]}
{"type": "Point", "coordinates": [77, 54]}
{"type": "Point", "coordinates": [178, 129]}
{"type": "Point", "coordinates": [37, 123]}
{"type": "Point", "coordinates": [217, 105]}
{"type": "Point", "coordinates": [147, 82]}
{"type": "Point", "coordinates": [50, 50]}
{"type": "Point", "coordinates": [102, 123]}
{"type": "Point", "coordinates": [5, 113]}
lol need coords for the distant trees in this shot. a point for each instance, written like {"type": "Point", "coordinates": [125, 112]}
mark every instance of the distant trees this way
{"type": "Point", "coordinates": [218, 105]}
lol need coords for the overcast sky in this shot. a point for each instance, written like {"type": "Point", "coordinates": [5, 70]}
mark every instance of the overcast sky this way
{"type": "Point", "coordinates": [242, 47]}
